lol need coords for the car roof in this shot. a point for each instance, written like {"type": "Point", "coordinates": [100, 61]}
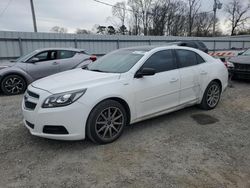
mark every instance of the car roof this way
{"type": "Point", "coordinates": [152, 47]}
{"type": "Point", "coordinates": [70, 49]}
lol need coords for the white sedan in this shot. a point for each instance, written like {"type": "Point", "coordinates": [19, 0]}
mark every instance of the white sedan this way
{"type": "Point", "coordinates": [123, 87]}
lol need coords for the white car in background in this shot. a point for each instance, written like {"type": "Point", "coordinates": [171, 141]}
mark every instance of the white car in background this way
{"type": "Point", "coordinates": [123, 87]}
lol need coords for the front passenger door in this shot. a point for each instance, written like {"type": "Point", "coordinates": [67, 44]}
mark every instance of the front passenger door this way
{"type": "Point", "coordinates": [46, 64]}
{"type": "Point", "coordinates": [159, 92]}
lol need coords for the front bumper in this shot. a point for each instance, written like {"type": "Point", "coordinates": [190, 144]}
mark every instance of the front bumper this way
{"type": "Point", "coordinates": [240, 73]}
{"type": "Point", "coordinates": [73, 117]}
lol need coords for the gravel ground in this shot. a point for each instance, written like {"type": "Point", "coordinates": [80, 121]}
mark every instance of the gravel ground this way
{"type": "Point", "coordinates": [173, 150]}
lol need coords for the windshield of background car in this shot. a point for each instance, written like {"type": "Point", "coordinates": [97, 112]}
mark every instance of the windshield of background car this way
{"type": "Point", "coordinates": [119, 61]}
{"type": "Point", "coordinates": [247, 52]}
{"type": "Point", "coordinates": [25, 57]}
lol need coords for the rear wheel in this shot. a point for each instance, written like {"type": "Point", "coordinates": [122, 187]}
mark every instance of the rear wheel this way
{"type": "Point", "coordinates": [13, 85]}
{"type": "Point", "coordinates": [211, 96]}
{"type": "Point", "coordinates": [106, 122]}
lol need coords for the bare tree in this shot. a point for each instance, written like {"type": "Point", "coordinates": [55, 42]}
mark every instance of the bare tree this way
{"type": "Point", "coordinates": [135, 17]}
{"type": "Point", "coordinates": [57, 29]}
{"type": "Point", "coordinates": [119, 10]}
{"type": "Point", "coordinates": [141, 11]}
{"type": "Point", "coordinates": [193, 8]}
{"type": "Point", "coordinates": [159, 17]}
{"type": "Point", "coordinates": [203, 24]}
{"type": "Point", "coordinates": [237, 14]}
{"type": "Point", "coordinates": [144, 10]}
{"type": "Point", "coordinates": [179, 27]}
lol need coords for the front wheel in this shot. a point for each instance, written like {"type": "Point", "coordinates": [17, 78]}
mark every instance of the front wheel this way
{"type": "Point", "coordinates": [13, 85]}
{"type": "Point", "coordinates": [211, 96]}
{"type": "Point", "coordinates": [106, 122]}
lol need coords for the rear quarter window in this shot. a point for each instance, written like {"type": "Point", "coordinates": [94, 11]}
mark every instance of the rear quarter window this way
{"type": "Point", "coordinates": [64, 54]}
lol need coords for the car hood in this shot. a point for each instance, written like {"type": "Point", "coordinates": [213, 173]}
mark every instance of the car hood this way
{"type": "Point", "coordinates": [7, 64]}
{"type": "Point", "coordinates": [74, 80]}
{"type": "Point", "coordinates": [240, 59]}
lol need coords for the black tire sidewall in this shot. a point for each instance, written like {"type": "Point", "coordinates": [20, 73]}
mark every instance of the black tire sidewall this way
{"type": "Point", "coordinates": [91, 132]}
{"type": "Point", "coordinates": [10, 76]}
{"type": "Point", "coordinates": [204, 104]}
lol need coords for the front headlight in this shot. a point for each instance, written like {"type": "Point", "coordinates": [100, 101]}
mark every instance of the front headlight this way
{"type": "Point", "coordinates": [62, 99]}
{"type": "Point", "coordinates": [230, 64]}
{"type": "Point", "coordinates": [3, 67]}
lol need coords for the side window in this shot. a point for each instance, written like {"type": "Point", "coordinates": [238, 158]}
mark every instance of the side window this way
{"type": "Point", "coordinates": [64, 54]}
{"type": "Point", "coordinates": [53, 55]}
{"type": "Point", "coordinates": [43, 56]}
{"type": "Point", "coordinates": [199, 59]}
{"type": "Point", "coordinates": [161, 61]}
{"type": "Point", "coordinates": [186, 58]}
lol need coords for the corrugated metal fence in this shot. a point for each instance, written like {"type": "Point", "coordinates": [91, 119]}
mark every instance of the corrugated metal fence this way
{"type": "Point", "coordinates": [15, 44]}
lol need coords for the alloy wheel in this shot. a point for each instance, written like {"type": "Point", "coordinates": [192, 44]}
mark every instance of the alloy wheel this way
{"type": "Point", "coordinates": [213, 95]}
{"type": "Point", "coordinates": [13, 85]}
{"type": "Point", "coordinates": [109, 123]}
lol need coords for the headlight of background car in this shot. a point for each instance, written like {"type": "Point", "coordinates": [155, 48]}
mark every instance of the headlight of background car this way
{"type": "Point", "coordinates": [3, 67]}
{"type": "Point", "coordinates": [62, 99]}
{"type": "Point", "coordinates": [230, 64]}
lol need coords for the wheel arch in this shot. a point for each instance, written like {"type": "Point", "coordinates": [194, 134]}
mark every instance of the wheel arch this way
{"type": "Point", "coordinates": [15, 73]}
{"type": "Point", "coordinates": [218, 81]}
{"type": "Point", "coordinates": [119, 100]}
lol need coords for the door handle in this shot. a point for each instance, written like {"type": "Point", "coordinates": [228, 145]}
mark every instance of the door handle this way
{"type": "Point", "coordinates": [55, 63]}
{"type": "Point", "coordinates": [203, 72]}
{"type": "Point", "coordinates": [173, 80]}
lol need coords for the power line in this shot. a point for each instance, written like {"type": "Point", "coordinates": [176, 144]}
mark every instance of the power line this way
{"type": "Point", "coordinates": [104, 3]}
{"type": "Point", "coordinates": [108, 4]}
{"type": "Point", "coordinates": [5, 8]}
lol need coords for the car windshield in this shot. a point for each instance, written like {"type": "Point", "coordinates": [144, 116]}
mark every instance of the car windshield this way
{"type": "Point", "coordinates": [246, 53]}
{"type": "Point", "coordinates": [119, 61]}
{"type": "Point", "coordinates": [25, 57]}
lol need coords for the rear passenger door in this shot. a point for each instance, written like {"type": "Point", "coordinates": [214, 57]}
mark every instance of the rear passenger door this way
{"type": "Point", "coordinates": [66, 59]}
{"type": "Point", "coordinates": [189, 76]}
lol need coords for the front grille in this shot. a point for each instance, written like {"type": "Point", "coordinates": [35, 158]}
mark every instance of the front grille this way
{"type": "Point", "coordinates": [49, 129]}
{"type": "Point", "coordinates": [241, 67]}
{"type": "Point", "coordinates": [34, 95]}
{"type": "Point", "coordinates": [30, 105]}
{"type": "Point", "coordinates": [30, 124]}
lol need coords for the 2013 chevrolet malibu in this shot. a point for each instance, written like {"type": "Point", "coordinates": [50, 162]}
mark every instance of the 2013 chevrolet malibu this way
{"type": "Point", "coordinates": [122, 87]}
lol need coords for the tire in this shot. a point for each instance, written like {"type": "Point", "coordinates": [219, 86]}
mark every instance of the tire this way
{"type": "Point", "coordinates": [13, 85]}
{"type": "Point", "coordinates": [106, 122]}
{"type": "Point", "coordinates": [211, 96]}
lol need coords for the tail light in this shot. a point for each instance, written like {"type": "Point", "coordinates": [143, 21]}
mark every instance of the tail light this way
{"type": "Point", "coordinates": [224, 62]}
{"type": "Point", "coordinates": [93, 58]}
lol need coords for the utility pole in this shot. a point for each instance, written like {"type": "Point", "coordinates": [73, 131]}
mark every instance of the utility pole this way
{"type": "Point", "coordinates": [33, 15]}
{"type": "Point", "coordinates": [217, 5]}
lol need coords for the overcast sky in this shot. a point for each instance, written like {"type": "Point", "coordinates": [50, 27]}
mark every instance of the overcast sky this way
{"type": "Point", "coordinates": [71, 14]}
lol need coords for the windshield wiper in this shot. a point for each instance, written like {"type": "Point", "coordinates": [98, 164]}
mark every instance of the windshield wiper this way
{"type": "Point", "coordinates": [96, 70]}
{"type": "Point", "coordinates": [85, 67]}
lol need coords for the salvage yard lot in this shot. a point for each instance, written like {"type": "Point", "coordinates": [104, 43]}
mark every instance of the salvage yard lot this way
{"type": "Point", "coordinates": [173, 150]}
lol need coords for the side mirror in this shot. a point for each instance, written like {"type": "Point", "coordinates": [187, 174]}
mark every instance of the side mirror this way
{"type": "Point", "coordinates": [240, 53]}
{"type": "Point", "coordinates": [34, 60]}
{"type": "Point", "coordinates": [144, 72]}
